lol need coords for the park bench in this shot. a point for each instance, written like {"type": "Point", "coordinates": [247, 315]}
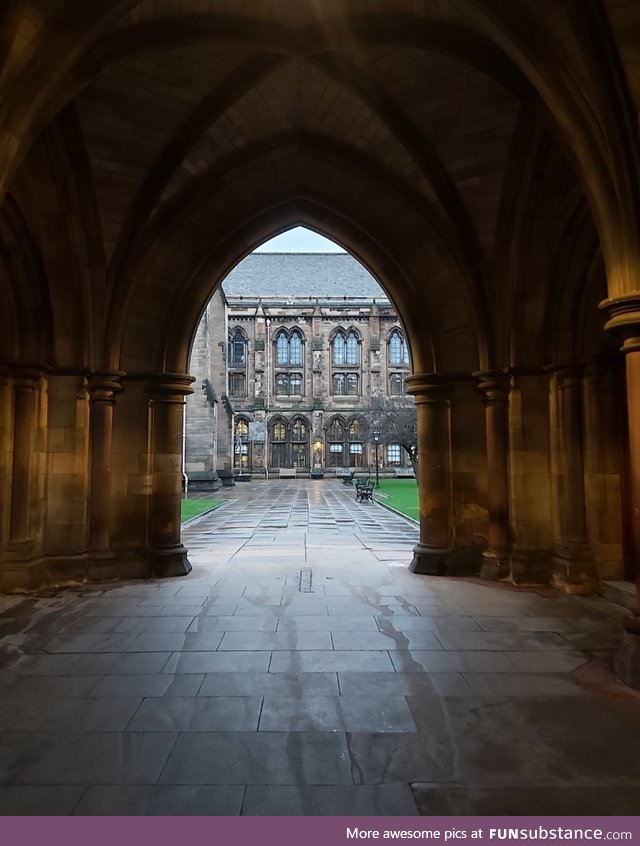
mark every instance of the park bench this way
{"type": "Point", "coordinates": [287, 472]}
{"type": "Point", "coordinates": [364, 492]}
{"type": "Point", "coordinates": [348, 478]}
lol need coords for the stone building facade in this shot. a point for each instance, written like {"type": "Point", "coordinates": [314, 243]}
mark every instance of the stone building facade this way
{"type": "Point", "coordinates": [291, 379]}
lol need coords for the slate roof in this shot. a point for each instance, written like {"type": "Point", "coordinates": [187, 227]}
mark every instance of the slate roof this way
{"type": "Point", "coordinates": [301, 274]}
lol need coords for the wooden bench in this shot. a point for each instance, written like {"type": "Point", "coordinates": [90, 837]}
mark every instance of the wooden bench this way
{"type": "Point", "coordinates": [287, 472]}
{"type": "Point", "coordinates": [348, 478]}
{"type": "Point", "coordinates": [364, 493]}
{"type": "Point", "coordinates": [404, 473]}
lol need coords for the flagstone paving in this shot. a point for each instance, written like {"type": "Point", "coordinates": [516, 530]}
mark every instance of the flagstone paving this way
{"type": "Point", "coordinates": [301, 668]}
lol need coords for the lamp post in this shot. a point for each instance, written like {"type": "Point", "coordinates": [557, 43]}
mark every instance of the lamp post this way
{"type": "Point", "coordinates": [376, 440]}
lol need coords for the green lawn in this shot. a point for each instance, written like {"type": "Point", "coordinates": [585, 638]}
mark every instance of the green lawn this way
{"type": "Point", "coordinates": [192, 507]}
{"type": "Point", "coordinates": [401, 494]}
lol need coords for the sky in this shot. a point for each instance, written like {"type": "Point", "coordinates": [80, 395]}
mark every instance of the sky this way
{"type": "Point", "coordinates": [299, 240]}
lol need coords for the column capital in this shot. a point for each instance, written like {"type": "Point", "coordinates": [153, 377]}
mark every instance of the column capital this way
{"type": "Point", "coordinates": [623, 318]}
{"type": "Point", "coordinates": [427, 387]}
{"type": "Point", "coordinates": [568, 375]}
{"type": "Point", "coordinates": [170, 387]}
{"type": "Point", "coordinates": [493, 385]}
{"type": "Point", "coordinates": [26, 376]}
{"type": "Point", "coordinates": [103, 385]}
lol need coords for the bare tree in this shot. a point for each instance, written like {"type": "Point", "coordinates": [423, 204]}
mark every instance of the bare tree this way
{"type": "Point", "coordinates": [395, 420]}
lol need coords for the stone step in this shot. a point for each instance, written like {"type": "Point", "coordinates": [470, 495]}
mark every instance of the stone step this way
{"type": "Point", "coordinates": [620, 593]}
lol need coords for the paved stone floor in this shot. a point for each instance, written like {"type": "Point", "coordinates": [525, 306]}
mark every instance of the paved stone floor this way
{"type": "Point", "coordinates": [302, 669]}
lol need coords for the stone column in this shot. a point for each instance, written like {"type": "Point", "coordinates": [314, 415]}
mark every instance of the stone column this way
{"type": "Point", "coordinates": [495, 390]}
{"type": "Point", "coordinates": [103, 387]}
{"type": "Point", "coordinates": [624, 318]}
{"type": "Point", "coordinates": [432, 555]}
{"type": "Point", "coordinates": [573, 566]}
{"type": "Point", "coordinates": [168, 556]}
{"type": "Point", "coordinates": [26, 383]}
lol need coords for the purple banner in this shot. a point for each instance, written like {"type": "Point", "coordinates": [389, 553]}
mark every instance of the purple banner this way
{"type": "Point", "coordinates": [313, 831]}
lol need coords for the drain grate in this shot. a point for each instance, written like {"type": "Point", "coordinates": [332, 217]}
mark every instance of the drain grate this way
{"type": "Point", "coordinates": [305, 581]}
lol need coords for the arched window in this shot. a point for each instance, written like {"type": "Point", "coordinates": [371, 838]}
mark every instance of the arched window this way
{"type": "Point", "coordinates": [352, 348]}
{"type": "Point", "coordinates": [237, 355]}
{"type": "Point", "coordinates": [282, 349]}
{"type": "Point", "coordinates": [290, 443]}
{"type": "Point", "coordinates": [339, 349]}
{"type": "Point", "coordinates": [279, 431]}
{"type": "Point", "coordinates": [345, 353]}
{"type": "Point", "coordinates": [295, 349]}
{"type": "Point", "coordinates": [356, 445]}
{"type": "Point", "coordinates": [237, 348]}
{"type": "Point", "coordinates": [241, 444]}
{"type": "Point", "coordinates": [289, 353]}
{"type": "Point", "coordinates": [336, 443]}
{"type": "Point", "coordinates": [398, 351]}
{"type": "Point", "coordinates": [279, 444]}
{"type": "Point", "coordinates": [299, 443]}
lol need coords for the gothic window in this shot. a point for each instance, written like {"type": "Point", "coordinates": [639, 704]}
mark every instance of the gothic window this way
{"type": "Point", "coordinates": [237, 348]}
{"type": "Point", "coordinates": [336, 443]}
{"type": "Point", "coordinates": [241, 445]}
{"type": "Point", "coordinates": [279, 444]}
{"type": "Point", "coordinates": [352, 348]}
{"type": "Point", "coordinates": [289, 352]}
{"type": "Point", "coordinates": [282, 350]}
{"type": "Point", "coordinates": [394, 455]}
{"type": "Point", "coordinates": [356, 447]}
{"type": "Point", "coordinates": [289, 385]}
{"type": "Point", "coordinates": [295, 349]}
{"type": "Point", "coordinates": [345, 353]}
{"type": "Point", "coordinates": [299, 443]}
{"type": "Point", "coordinates": [396, 384]}
{"type": "Point", "coordinates": [237, 384]}
{"type": "Point", "coordinates": [290, 443]}
{"type": "Point", "coordinates": [398, 350]}
{"type": "Point", "coordinates": [345, 385]}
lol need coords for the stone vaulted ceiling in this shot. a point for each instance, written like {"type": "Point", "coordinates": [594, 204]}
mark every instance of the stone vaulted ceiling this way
{"type": "Point", "coordinates": [459, 148]}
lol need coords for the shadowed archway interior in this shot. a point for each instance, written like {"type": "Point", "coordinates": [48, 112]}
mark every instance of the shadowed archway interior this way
{"type": "Point", "coordinates": [479, 157]}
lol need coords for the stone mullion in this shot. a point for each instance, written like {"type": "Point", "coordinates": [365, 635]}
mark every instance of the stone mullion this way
{"type": "Point", "coordinates": [433, 553]}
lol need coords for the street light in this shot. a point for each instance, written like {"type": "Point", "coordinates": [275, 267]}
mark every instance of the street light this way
{"type": "Point", "coordinates": [376, 440]}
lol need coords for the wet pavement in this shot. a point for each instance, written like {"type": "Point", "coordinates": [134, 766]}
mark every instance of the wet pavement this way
{"type": "Point", "coordinates": [301, 668]}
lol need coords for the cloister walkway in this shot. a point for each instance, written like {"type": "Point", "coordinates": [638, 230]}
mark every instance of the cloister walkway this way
{"type": "Point", "coordinates": [301, 668]}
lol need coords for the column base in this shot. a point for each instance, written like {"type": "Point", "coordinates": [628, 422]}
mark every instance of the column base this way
{"type": "Point", "coordinates": [102, 566]}
{"type": "Point", "coordinates": [169, 561]}
{"type": "Point", "coordinates": [495, 566]}
{"type": "Point", "coordinates": [26, 577]}
{"type": "Point", "coordinates": [430, 560]}
{"type": "Point", "coordinates": [574, 571]}
{"type": "Point", "coordinates": [627, 658]}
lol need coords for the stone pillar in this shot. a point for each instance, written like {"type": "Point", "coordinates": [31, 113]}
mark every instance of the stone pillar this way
{"type": "Point", "coordinates": [6, 451]}
{"type": "Point", "coordinates": [432, 555]}
{"type": "Point", "coordinates": [495, 390]}
{"type": "Point", "coordinates": [624, 318]}
{"type": "Point", "coordinates": [573, 566]}
{"type": "Point", "coordinates": [602, 465]}
{"type": "Point", "coordinates": [103, 386]}
{"type": "Point", "coordinates": [26, 383]}
{"type": "Point", "coordinates": [168, 557]}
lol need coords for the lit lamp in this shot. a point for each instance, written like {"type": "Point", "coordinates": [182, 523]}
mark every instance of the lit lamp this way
{"type": "Point", "coordinates": [317, 452]}
{"type": "Point", "coordinates": [376, 440]}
